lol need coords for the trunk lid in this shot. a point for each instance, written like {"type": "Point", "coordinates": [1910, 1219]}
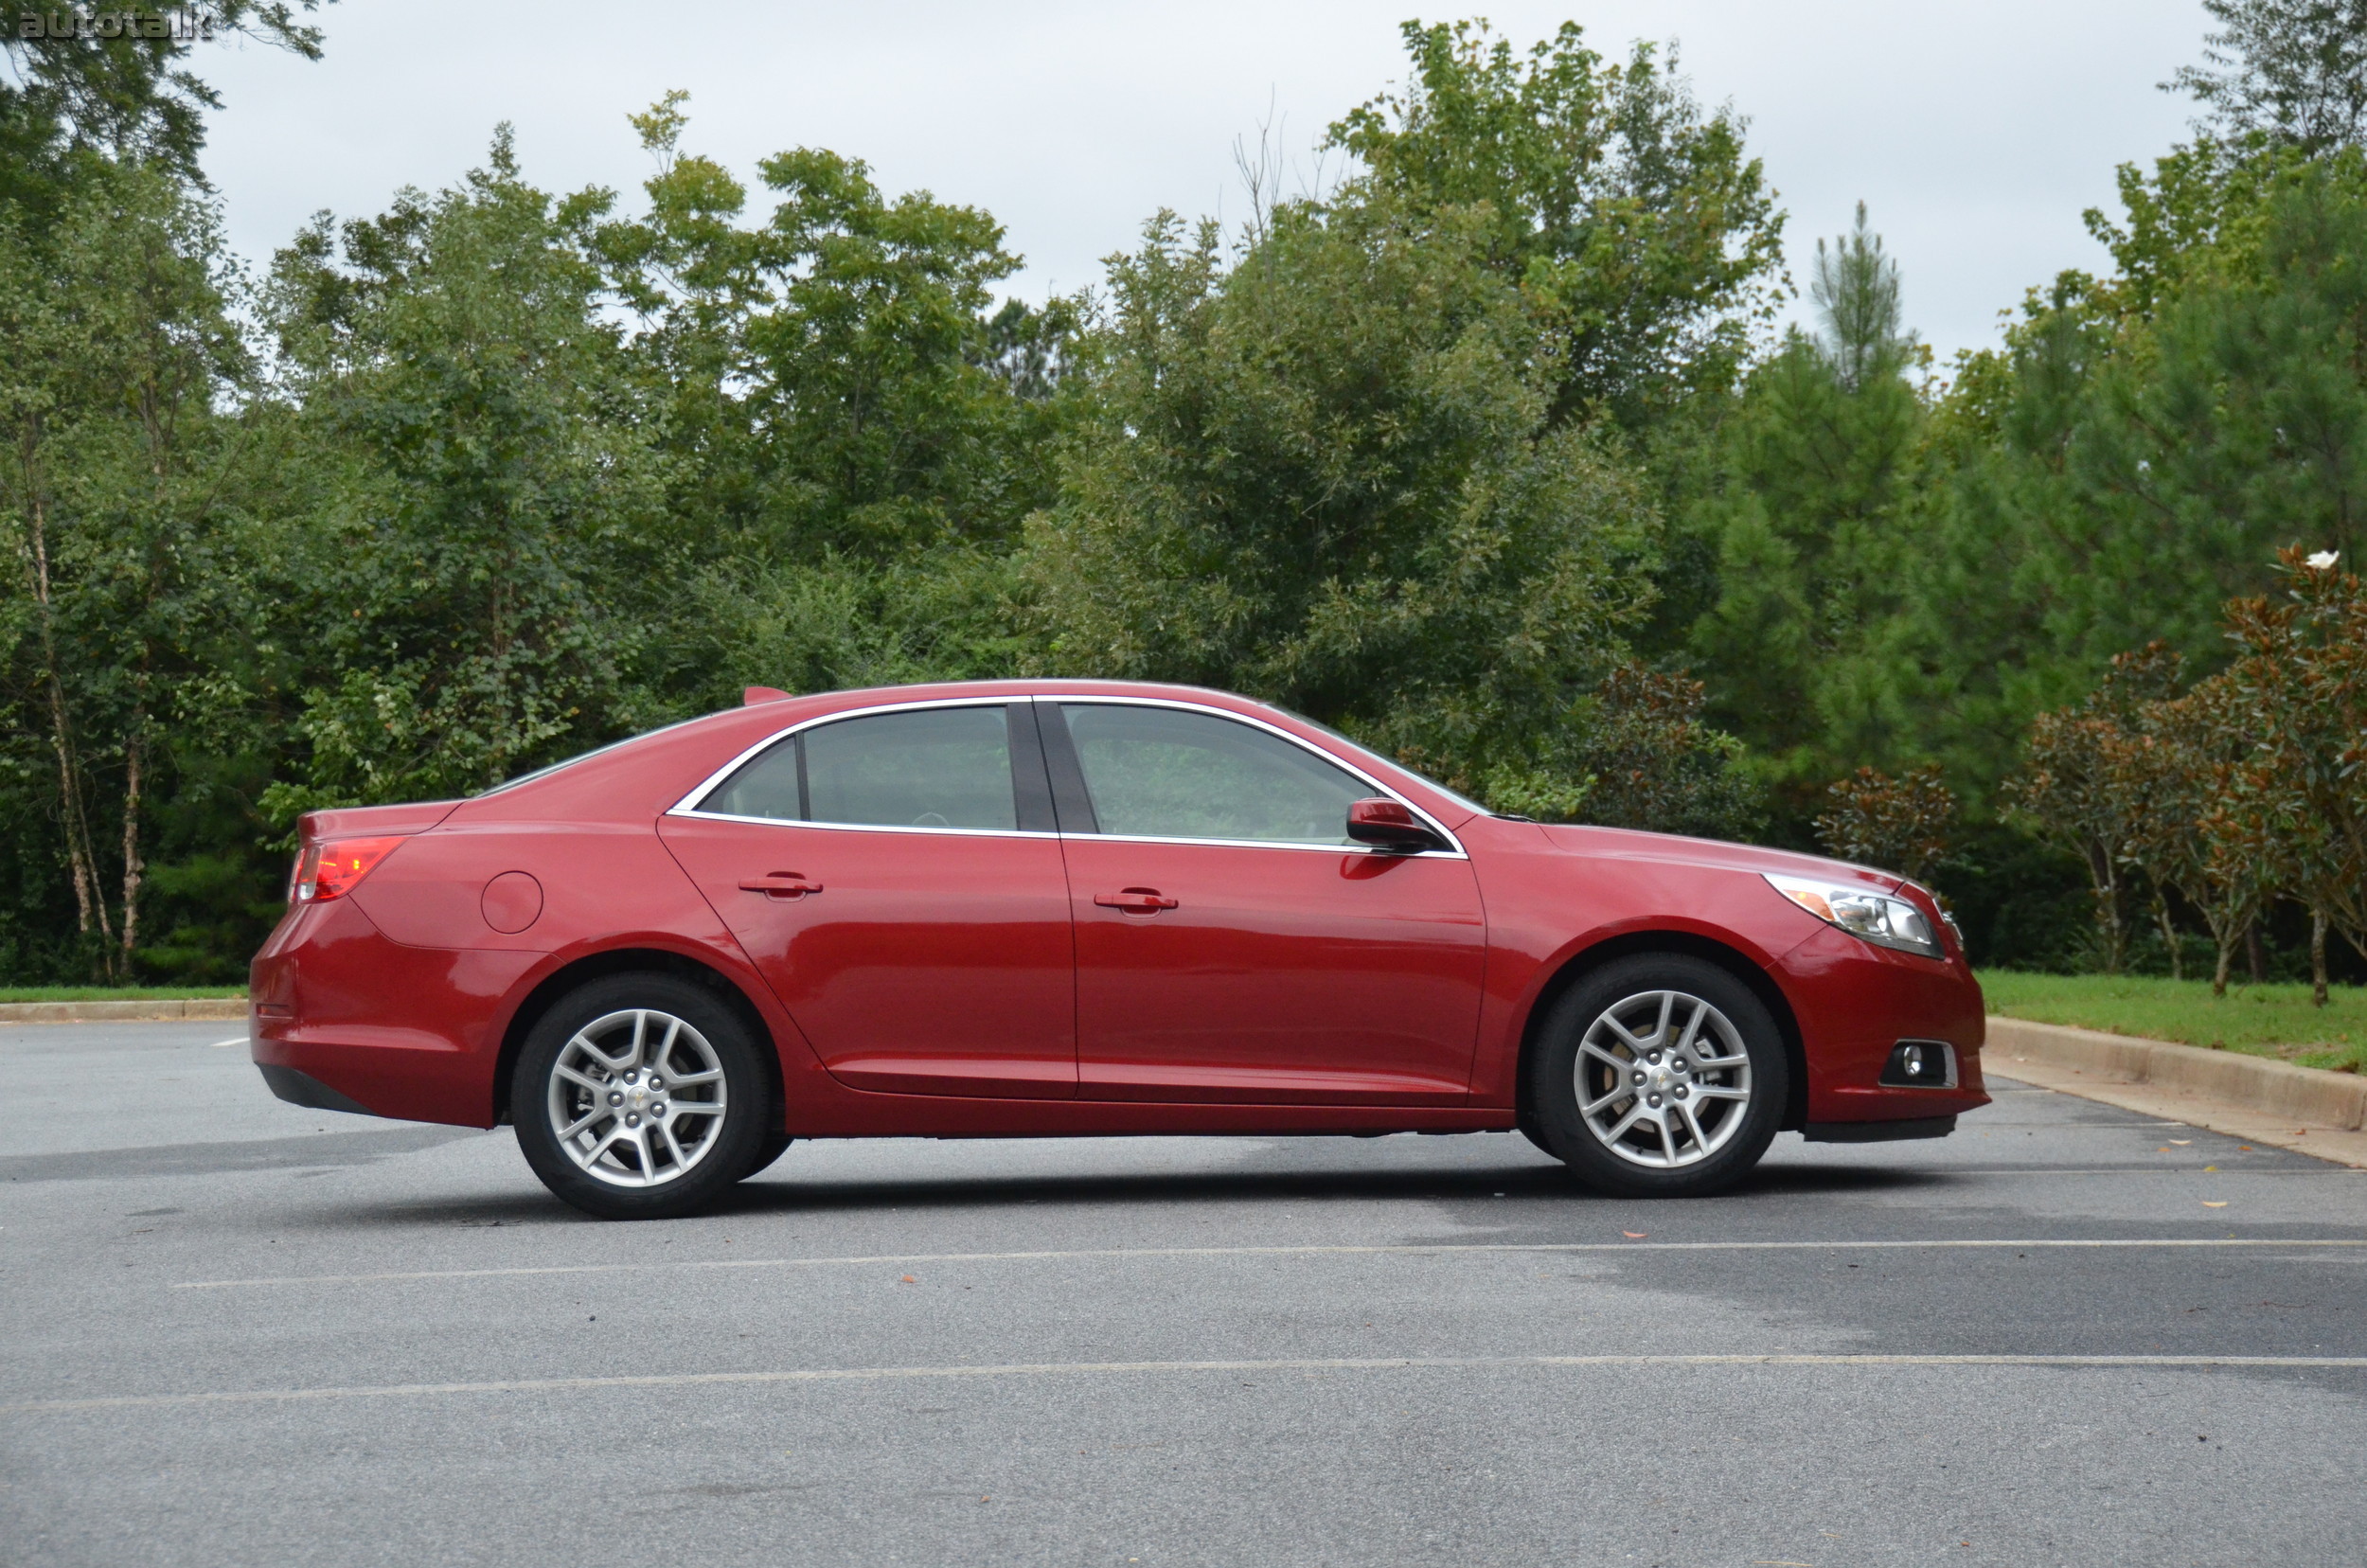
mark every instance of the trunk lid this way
{"type": "Point", "coordinates": [373, 820]}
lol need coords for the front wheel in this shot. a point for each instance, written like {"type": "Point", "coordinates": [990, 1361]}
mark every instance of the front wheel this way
{"type": "Point", "coordinates": [1659, 1076]}
{"type": "Point", "coordinates": [640, 1097]}
{"type": "Point", "coordinates": [775, 1146]}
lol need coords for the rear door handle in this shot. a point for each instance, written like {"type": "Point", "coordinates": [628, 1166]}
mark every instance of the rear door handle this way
{"type": "Point", "coordinates": [782, 885]}
{"type": "Point", "coordinates": [1135, 901]}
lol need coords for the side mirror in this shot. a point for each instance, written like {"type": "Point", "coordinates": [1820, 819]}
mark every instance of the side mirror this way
{"type": "Point", "coordinates": [1388, 824]}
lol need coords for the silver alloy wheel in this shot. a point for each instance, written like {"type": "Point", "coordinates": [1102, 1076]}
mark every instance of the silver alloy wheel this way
{"type": "Point", "coordinates": [636, 1097]}
{"type": "Point", "coordinates": [1662, 1079]}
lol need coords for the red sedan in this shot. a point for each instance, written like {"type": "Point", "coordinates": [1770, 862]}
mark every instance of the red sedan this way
{"type": "Point", "coordinates": [1024, 909]}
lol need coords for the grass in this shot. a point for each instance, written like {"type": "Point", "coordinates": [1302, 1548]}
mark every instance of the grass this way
{"type": "Point", "coordinates": [117, 993]}
{"type": "Point", "coordinates": [2270, 1020]}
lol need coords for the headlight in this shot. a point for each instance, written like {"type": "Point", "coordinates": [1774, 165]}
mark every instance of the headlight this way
{"type": "Point", "coordinates": [1861, 911]}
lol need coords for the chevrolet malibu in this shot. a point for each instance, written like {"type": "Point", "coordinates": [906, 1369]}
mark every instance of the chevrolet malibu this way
{"type": "Point", "coordinates": [1031, 909]}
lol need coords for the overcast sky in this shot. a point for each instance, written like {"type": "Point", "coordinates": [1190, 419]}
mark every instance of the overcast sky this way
{"type": "Point", "coordinates": [1976, 133]}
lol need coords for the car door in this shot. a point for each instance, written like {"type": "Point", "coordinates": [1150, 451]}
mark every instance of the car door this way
{"type": "Point", "coordinates": [1233, 944]}
{"type": "Point", "coordinates": [896, 878]}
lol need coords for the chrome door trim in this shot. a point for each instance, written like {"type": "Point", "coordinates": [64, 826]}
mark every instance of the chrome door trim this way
{"type": "Point", "coordinates": [1454, 851]}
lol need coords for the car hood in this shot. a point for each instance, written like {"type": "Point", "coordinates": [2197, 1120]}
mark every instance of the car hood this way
{"type": "Point", "coordinates": [1715, 854]}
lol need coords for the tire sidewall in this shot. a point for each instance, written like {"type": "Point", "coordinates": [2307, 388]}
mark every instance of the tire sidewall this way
{"type": "Point", "coordinates": [749, 1114]}
{"type": "Point", "coordinates": [1552, 1103]}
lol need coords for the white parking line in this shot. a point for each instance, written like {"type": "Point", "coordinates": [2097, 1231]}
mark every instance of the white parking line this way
{"type": "Point", "coordinates": [225, 1045]}
{"type": "Point", "coordinates": [1039, 1369]}
{"type": "Point", "coordinates": [2164, 1169]}
{"type": "Point", "coordinates": [1442, 1249]}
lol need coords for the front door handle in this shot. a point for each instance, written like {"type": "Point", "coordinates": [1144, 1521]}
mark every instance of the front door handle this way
{"type": "Point", "coordinates": [782, 885]}
{"type": "Point", "coordinates": [1135, 901]}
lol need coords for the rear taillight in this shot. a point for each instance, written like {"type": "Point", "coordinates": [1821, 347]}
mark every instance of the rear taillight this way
{"type": "Point", "coordinates": [331, 870]}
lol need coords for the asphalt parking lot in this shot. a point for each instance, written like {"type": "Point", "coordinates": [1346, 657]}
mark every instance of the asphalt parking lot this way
{"type": "Point", "coordinates": [234, 1332]}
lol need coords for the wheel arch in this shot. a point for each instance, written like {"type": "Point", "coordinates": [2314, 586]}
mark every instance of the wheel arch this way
{"type": "Point", "coordinates": [548, 991]}
{"type": "Point", "coordinates": [1579, 965]}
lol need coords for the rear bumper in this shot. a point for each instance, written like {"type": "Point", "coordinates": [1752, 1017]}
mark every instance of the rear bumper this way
{"type": "Point", "coordinates": [345, 1020]}
{"type": "Point", "coordinates": [305, 1090]}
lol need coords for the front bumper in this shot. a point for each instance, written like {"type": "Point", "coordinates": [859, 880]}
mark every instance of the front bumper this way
{"type": "Point", "coordinates": [1855, 1003]}
{"type": "Point", "coordinates": [1879, 1132]}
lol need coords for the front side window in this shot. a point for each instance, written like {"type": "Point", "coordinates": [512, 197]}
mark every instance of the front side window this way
{"type": "Point", "coordinates": [1170, 773]}
{"type": "Point", "coordinates": [926, 768]}
{"type": "Point", "coordinates": [1369, 756]}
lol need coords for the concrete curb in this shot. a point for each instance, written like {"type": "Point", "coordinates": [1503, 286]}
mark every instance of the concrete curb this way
{"type": "Point", "coordinates": [220, 1009]}
{"type": "Point", "coordinates": [2305, 1108]}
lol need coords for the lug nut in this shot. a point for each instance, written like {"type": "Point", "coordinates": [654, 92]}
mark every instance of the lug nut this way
{"type": "Point", "coordinates": [658, 1110]}
{"type": "Point", "coordinates": [654, 1084]}
{"type": "Point", "coordinates": [615, 1099]}
{"type": "Point", "coordinates": [1656, 1099]}
{"type": "Point", "coordinates": [1637, 1077]}
{"type": "Point", "coordinates": [632, 1121]}
{"type": "Point", "coordinates": [1652, 1056]}
{"type": "Point", "coordinates": [1680, 1091]}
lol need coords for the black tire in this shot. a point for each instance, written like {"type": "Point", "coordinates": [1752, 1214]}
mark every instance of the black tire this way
{"type": "Point", "coordinates": [1715, 1138]}
{"type": "Point", "coordinates": [776, 1144]}
{"type": "Point", "coordinates": [594, 1025]}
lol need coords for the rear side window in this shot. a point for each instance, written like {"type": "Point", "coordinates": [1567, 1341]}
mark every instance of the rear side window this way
{"type": "Point", "coordinates": [1168, 772]}
{"type": "Point", "coordinates": [928, 768]}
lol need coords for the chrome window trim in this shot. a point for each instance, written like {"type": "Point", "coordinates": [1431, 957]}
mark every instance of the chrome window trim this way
{"type": "Point", "coordinates": [687, 805]}
{"type": "Point", "coordinates": [1300, 844]}
{"type": "Point", "coordinates": [1454, 850]}
{"type": "Point", "coordinates": [863, 827]}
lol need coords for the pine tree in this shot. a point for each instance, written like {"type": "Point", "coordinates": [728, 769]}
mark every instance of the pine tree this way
{"type": "Point", "coordinates": [1803, 517]}
{"type": "Point", "coordinates": [1855, 289]}
{"type": "Point", "coordinates": [2292, 70]}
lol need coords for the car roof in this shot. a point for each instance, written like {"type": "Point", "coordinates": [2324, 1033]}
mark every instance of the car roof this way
{"type": "Point", "coordinates": [647, 775]}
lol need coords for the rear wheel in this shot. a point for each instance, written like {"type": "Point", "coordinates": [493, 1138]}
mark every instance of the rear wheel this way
{"type": "Point", "coordinates": [1659, 1076]}
{"type": "Point", "coordinates": [641, 1096]}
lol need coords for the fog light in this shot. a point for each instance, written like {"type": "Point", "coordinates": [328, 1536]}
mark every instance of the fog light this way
{"type": "Point", "coordinates": [1921, 1064]}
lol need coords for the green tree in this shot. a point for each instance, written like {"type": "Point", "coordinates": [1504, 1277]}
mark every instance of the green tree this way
{"type": "Point", "coordinates": [1329, 475]}
{"type": "Point", "coordinates": [1810, 495]}
{"type": "Point", "coordinates": [2132, 456]}
{"type": "Point", "coordinates": [499, 555]}
{"type": "Point", "coordinates": [1633, 219]}
{"type": "Point", "coordinates": [2201, 212]}
{"type": "Point", "coordinates": [844, 361]}
{"type": "Point", "coordinates": [853, 427]}
{"type": "Point", "coordinates": [2300, 795]}
{"type": "Point", "coordinates": [1651, 761]}
{"type": "Point", "coordinates": [2193, 751]}
{"type": "Point", "coordinates": [2080, 792]}
{"type": "Point", "coordinates": [126, 493]}
{"type": "Point", "coordinates": [1902, 825]}
{"type": "Point", "coordinates": [2295, 70]}
{"type": "Point", "coordinates": [90, 92]}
